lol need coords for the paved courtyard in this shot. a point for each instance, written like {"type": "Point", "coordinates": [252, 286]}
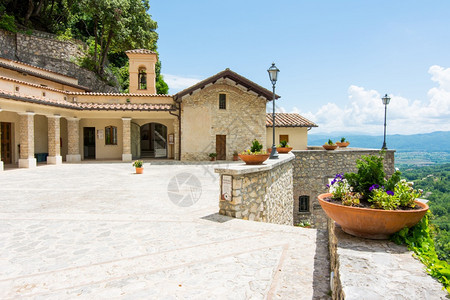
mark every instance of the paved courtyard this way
{"type": "Point", "coordinates": [98, 230]}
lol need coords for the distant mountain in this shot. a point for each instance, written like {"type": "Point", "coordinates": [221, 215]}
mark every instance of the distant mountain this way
{"type": "Point", "coordinates": [438, 141]}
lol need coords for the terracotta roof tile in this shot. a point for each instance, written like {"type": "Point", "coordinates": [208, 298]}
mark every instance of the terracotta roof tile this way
{"type": "Point", "coordinates": [36, 74]}
{"type": "Point", "coordinates": [227, 73]}
{"type": "Point", "coordinates": [288, 120]}
{"type": "Point", "coordinates": [117, 94]}
{"type": "Point", "coordinates": [38, 68]}
{"type": "Point", "coordinates": [88, 106]}
{"type": "Point", "coordinates": [140, 51]}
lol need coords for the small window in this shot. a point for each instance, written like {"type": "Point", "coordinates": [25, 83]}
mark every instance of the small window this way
{"type": "Point", "coordinates": [222, 101]}
{"type": "Point", "coordinates": [110, 135]}
{"type": "Point", "coordinates": [43, 94]}
{"type": "Point", "coordinates": [303, 204]}
{"type": "Point", "coordinates": [142, 79]}
{"type": "Point", "coordinates": [17, 88]}
{"type": "Point", "coordinates": [284, 137]}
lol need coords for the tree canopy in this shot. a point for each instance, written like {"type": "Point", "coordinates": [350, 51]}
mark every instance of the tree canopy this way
{"type": "Point", "coordinates": [109, 27]}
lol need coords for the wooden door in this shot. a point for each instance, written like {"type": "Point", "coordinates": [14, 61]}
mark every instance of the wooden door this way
{"type": "Point", "coordinates": [89, 142]}
{"type": "Point", "coordinates": [221, 147]}
{"type": "Point", "coordinates": [6, 141]}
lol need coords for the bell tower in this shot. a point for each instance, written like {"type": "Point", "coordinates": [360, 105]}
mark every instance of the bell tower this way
{"type": "Point", "coordinates": [142, 71]}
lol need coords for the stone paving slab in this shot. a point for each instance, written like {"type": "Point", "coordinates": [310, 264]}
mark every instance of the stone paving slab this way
{"type": "Point", "coordinates": [378, 269]}
{"type": "Point", "coordinates": [91, 231]}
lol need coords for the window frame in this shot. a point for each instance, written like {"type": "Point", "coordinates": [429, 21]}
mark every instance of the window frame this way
{"type": "Point", "coordinates": [110, 135]}
{"type": "Point", "coordinates": [222, 101]}
{"type": "Point", "coordinates": [303, 204]}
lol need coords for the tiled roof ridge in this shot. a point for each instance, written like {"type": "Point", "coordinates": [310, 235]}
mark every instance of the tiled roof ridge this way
{"type": "Point", "coordinates": [141, 51]}
{"type": "Point", "coordinates": [45, 77]}
{"type": "Point", "coordinates": [118, 94]}
{"type": "Point", "coordinates": [289, 120]}
{"type": "Point", "coordinates": [33, 84]}
{"type": "Point", "coordinates": [227, 73]}
{"type": "Point", "coordinates": [88, 105]}
{"type": "Point", "coordinates": [82, 93]}
{"type": "Point", "coordinates": [36, 67]}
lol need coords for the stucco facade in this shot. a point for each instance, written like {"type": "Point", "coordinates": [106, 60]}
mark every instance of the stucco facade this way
{"type": "Point", "coordinates": [47, 116]}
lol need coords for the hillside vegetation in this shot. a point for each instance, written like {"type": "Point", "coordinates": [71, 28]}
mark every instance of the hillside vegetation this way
{"type": "Point", "coordinates": [108, 27]}
{"type": "Point", "coordinates": [435, 181]}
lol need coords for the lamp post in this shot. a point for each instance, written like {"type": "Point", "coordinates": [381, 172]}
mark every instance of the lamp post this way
{"type": "Point", "coordinates": [273, 75]}
{"type": "Point", "coordinates": [386, 101]}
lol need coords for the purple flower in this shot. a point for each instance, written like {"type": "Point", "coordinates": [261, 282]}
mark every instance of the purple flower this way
{"type": "Point", "coordinates": [374, 187]}
{"type": "Point", "coordinates": [390, 193]}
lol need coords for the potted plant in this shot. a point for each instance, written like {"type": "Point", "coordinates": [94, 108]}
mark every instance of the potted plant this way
{"type": "Point", "coordinates": [235, 155]}
{"type": "Point", "coordinates": [367, 204]}
{"type": "Point", "coordinates": [283, 147]}
{"type": "Point", "coordinates": [255, 155]}
{"type": "Point", "coordinates": [213, 156]}
{"type": "Point", "coordinates": [343, 143]}
{"type": "Point", "coordinates": [330, 145]}
{"type": "Point", "coordinates": [139, 165]}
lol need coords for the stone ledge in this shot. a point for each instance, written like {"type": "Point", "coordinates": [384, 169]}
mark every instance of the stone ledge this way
{"type": "Point", "coordinates": [377, 269]}
{"type": "Point", "coordinates": [339, 150]}
{"type": "Point", "coordinates": [242, 168]}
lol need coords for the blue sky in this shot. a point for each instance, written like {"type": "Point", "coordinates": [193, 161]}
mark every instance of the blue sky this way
{"type": "Point", "coordinates": [337, 58]}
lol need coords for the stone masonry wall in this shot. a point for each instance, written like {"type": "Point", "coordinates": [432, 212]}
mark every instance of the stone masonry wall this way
{"type": "Point", "coordinates": [264, 196]}
{"type": "Point", "coordinates": [241, 122]}
{"type": "Point", "coordinates": [44, 51]}
{"type": "Point", "coordinates": [313, 168]}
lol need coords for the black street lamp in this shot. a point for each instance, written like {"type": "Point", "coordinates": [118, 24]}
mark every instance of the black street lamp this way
{"type": "Point", "coordinates": [386, 100]}
{"type": "Point", "coordinates": [273, 75]}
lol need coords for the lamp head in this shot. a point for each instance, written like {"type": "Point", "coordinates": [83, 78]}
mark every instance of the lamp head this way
{"type": "Point", "coordinates": [386, 99]}
{"type": "Point", "coordinates": [273, 73]}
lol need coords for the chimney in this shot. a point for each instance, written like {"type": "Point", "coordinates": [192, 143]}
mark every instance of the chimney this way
{"type": "Point", "coordinates": [142, 71]}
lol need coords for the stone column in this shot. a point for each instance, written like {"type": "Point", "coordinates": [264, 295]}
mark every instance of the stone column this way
{"type": "Point", "coordinates": [73, 133]}
{"type": "Point", "coordinates": [27, 159]}
{"type": "Point", "coordinates": [54, 146]}
{"type": "Point", "coordinates": [1, 162]}
{"type": "Point", "coordinates": [126, 140]}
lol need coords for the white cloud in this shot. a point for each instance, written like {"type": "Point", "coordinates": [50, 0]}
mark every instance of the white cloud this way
{"type": "Point", "coordinates": [179, 83]}
{"type": "Point", "coordinates": [364, 112]}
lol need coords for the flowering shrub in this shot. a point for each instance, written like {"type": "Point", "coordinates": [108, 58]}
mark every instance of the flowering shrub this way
{"type": "Point", "coordinates": [283, 144]}
{"type": "Point", "coordinates": [369, 184]}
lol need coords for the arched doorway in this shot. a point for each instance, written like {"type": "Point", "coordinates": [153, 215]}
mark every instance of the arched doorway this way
{"type": "Point", "coordinates": [153, 140]}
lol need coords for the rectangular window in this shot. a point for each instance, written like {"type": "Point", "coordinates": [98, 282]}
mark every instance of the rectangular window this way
{"type": "Point", "coordinates": [222, 101]}
{"type": "Point", "coordinates": [284, 137]}
{"type": "Point", "coordinates": [110, 135]}
{"type": "Point", "coordinates": [303, 203]}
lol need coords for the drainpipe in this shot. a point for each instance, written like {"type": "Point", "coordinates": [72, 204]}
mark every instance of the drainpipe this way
{"type": "Point", "coordinates": [178, 106]}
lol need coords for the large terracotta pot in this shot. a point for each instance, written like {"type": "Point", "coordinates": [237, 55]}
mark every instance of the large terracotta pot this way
{"type": "Point", "coordinates": [329, 147]}
{"type": "Point", "coordinates": [139, 170]}
{"type": "Point", "coordinates": [342, 145]}
{"type": "Point", "coordinates": [250, 159]}
{"type": "Point", "coordinates": [283, 149]}
{"type": "Point", "coordinates": [371, 223]}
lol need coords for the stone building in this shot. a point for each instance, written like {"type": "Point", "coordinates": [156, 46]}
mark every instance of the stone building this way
{"type": "Point", "coordinates": [49, 116]}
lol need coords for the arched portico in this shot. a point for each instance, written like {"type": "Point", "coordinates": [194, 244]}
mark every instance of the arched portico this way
{"type": "Point", "coordinates": [153, 140]}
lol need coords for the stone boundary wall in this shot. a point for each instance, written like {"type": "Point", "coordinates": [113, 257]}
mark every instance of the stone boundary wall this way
{"type": "Point", "coordinates": [41, 50]}
{"type": "Point", "coordinates": [260, 193]}
{"type": "Point", "coordinates": [313, 168]}
{"type": "Point", "coordinates": [376, 269]}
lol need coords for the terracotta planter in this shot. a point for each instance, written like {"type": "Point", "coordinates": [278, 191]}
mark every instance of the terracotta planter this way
{"type": "Point", "coordinates": [254, 159]}
{"type": "Point", "coordinates": [283, 149]}
{"type": "Point", "coordinates": [212, 158]}
{"type": "Point", "coordinates": [139, 170]}
{"type": "Point", "coordinates": [342, 145]}
{"type": "Point", "coordinates": [371, 223]}
{"type": "Point", "coordinates": [235, 157]}
{"type": "Point", "coordinates": [329, 147]}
